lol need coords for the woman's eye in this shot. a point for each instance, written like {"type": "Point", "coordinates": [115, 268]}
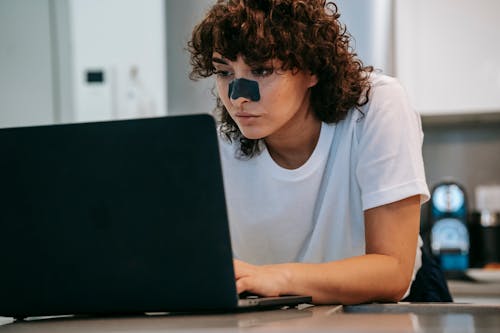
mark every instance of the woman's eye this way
{"type": "Point", "coordinates": [262, 71]}
{"type": "Point", "coordinates": [223, 74]}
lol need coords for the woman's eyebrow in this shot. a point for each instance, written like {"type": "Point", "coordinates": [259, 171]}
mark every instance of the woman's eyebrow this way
{"type": "Point", "coordinates": [219, 61]}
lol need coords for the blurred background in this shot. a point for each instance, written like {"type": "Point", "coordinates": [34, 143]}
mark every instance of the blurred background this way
{"type": "Point", "coordinates": [90, 60]}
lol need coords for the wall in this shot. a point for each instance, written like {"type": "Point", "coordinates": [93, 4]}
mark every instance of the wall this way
{"type": "Point", "coordinates": [185, 96]}
{"type": "Point", "coordinates": [370, 24]}
{"type": "Point", "coordinates": [452, 44]}
{"type": "Point", "coordinates": [26, 77]}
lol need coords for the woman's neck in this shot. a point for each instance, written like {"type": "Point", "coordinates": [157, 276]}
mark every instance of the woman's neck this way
{"type": "Point", "coordinates": [293, 144]}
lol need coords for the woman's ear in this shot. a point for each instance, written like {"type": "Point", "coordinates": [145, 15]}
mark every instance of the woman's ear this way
{"type": "Point", "coordinates": [313, 80]}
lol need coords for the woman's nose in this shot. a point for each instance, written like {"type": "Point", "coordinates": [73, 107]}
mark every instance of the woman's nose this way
{"type": "Point", "coordinates": [238, 102]}
{"type": "Point", "coordinates": [243, 90]}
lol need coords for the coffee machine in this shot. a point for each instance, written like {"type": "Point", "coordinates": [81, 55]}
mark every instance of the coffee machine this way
{"type": "Point", "coordinates": [449, 235]}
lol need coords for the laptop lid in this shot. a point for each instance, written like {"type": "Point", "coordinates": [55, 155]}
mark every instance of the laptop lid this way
{"type": "Point", "coordinates": [113, 217]}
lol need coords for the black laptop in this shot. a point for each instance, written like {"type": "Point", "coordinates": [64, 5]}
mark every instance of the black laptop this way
{"type": "Point", "coordinates": [116, 217]}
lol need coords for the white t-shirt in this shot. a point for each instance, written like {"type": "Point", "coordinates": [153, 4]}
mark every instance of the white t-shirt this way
{"type": "Point", "coordinates": [279, 215]}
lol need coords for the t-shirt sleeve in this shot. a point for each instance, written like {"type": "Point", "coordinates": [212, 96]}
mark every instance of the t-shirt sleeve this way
{"type": "Point", "coordinates": [390, 165]}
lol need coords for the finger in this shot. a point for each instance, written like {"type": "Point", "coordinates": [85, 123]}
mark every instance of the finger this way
{"type": "Point", "coordinates": [242, 285]}
{"type": "Point", "coordinates": [237, 268]}
{"type": "Point", "coordinates": [241, 268]}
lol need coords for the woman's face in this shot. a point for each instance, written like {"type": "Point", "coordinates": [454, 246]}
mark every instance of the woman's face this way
{"type": "Point", "coordinates": [284, 96]}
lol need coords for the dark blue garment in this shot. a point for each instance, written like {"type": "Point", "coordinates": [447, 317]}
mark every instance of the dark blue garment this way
{"type": "Point", "coordinates": [430, 283]}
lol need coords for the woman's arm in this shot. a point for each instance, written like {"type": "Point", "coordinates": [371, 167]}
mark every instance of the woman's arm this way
{"type": "Point", "coordinates": [382, 274]}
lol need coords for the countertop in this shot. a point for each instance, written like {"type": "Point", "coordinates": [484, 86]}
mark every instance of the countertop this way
{"type": "Point", "coordinates": [402, 317]}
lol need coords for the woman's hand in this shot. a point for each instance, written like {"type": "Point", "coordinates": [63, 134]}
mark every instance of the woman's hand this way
{"type": "Point", "coordinates": [268, 280]}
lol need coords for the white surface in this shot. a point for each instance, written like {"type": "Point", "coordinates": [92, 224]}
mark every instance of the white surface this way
{"type": "Point", "coordinates": [185, 96]}
{"type": "Point", "coordinates": [118, 35]}
{"type": "Point", "coordinates": [484, 275]}
{"type": "Point", "coordinates": [447, 54]}
{"type": "Point", "coordinates": [26, 78]}
{"type": "Point", "coordinates": [369, 22]}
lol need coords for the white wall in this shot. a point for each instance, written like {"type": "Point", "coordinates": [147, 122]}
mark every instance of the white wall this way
{"type": "Point", "coordinates": [185, 96]}
{"type": "Point", "coordinates": [115, 36]}
{"type": "Point", "coordinates": [448, 55]}
{"type": "Point", "coordinates": [370, 22]}
{"type": "Point", "coordinates": [26, 78]}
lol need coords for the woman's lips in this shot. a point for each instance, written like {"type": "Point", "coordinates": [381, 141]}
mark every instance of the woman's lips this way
{"type": "Point", "coordinates": [245, 118]}
{"type": "Point", "coordinates": [245, 115]}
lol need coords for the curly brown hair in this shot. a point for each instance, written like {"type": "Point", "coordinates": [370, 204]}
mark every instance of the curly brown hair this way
{"type": "Point", "coordinates": [305, 35]}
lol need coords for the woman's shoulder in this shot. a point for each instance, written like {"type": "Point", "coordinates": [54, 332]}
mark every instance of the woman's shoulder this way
{"type": "Point", "coordinates": [382, 89]}
{"type": "Point", "coordinates": [387, 93]}
{"type": "Point", "coordinates": [388, 106]}
{"type": "Point", "coordinates": [382, 83]}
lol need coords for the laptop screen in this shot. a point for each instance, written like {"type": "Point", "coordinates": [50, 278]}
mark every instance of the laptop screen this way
{"type": "Point", "coordinates": [119, 216]}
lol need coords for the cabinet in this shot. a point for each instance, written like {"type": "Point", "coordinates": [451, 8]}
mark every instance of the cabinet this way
{"type": "Point", "coordinates": [447, 54]}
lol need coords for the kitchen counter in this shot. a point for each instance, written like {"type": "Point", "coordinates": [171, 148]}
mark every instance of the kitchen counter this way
{"type": "Point", "coordinates": [402, 317]}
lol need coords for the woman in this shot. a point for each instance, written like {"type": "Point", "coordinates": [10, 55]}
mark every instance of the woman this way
{"type": "Point", "coordinates": [321, 156]}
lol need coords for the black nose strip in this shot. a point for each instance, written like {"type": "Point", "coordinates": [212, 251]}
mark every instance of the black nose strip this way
{"type": "Point", "coordinates": [244, 88]}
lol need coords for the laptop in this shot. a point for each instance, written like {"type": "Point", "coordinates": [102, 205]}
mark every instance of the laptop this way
{"type": "Point", "coordinates": [117, 217]}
